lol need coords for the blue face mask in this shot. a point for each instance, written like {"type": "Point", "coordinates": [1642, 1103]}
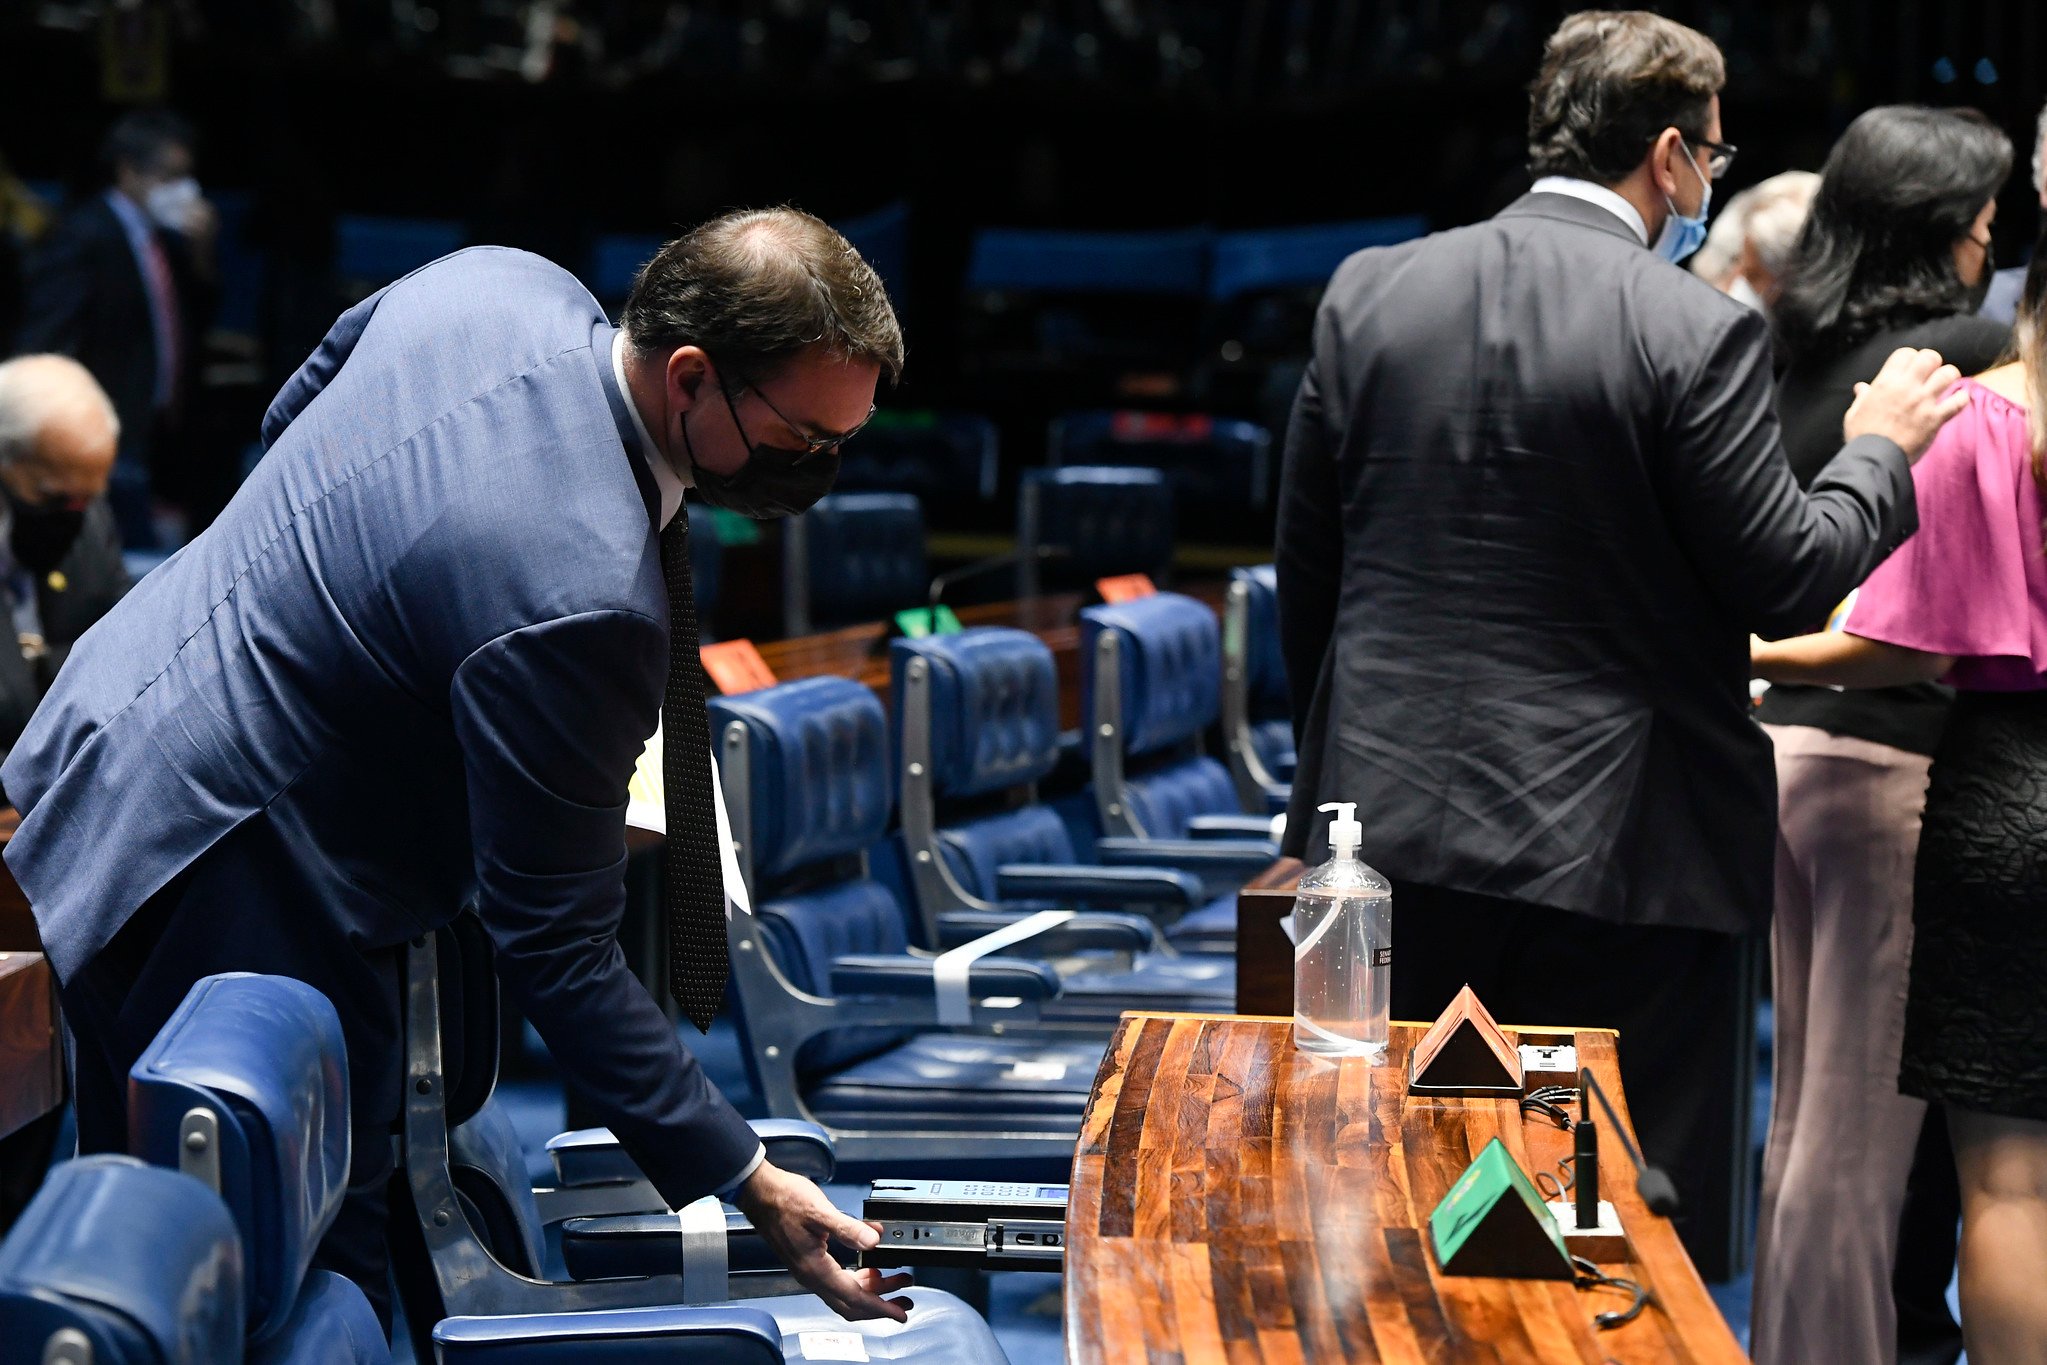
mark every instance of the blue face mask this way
{"type": "Point", "coordinates": [1681, 235]}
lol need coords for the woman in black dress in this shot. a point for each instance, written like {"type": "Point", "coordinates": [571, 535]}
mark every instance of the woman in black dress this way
{"type": "Point", "coordinates": [1894, 253]}
{"type": "Point", "coordinates": [1965, 599]}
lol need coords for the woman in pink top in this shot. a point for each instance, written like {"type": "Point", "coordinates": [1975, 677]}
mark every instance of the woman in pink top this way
{"type": "Point", "coordinates": [1965, 601]}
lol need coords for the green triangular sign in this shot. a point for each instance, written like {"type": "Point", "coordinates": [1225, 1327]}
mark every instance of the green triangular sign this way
{"type": "Point", "coordinates": [1492, 1222]}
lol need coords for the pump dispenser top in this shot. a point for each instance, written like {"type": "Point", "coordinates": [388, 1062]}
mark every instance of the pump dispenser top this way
{"type": "Point", "coordinates": [1345, 833]}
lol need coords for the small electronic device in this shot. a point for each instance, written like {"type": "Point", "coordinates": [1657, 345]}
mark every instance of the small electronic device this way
{"type": "Point", "coordinates": [988, 1225]}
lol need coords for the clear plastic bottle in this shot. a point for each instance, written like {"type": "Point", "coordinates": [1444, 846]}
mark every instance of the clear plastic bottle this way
{"type": "Point", "coordinates": [1343, 949]}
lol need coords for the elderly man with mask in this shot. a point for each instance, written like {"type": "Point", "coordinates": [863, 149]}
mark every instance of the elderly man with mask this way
{"type": "Point", "coordinates": [412, 667]}
{"type": "Point", "coordinates": [60, 558]}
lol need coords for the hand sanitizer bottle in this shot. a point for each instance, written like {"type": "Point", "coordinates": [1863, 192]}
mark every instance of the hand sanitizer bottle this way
{"type": "Point", "coordinates": [1343, 949]}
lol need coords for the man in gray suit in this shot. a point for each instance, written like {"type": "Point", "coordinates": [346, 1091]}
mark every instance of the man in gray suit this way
{"type": "Point", "coordinates": [1533, 504]}
{"type": "Point", "coordinates": [411, 667]}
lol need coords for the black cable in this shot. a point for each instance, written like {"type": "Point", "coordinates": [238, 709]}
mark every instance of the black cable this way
{"type": "Point", "coordinates": [1590, 1276]}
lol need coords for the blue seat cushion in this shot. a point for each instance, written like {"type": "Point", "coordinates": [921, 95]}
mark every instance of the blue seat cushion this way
{"type": "Point", "coordinates": [1170, 667]}
{"type": "Point", "coordinates": [975, 849]}
{"type": "Point", "coordinates": [1164, 799]}
{"type": "Point", "coordinates": [994, 707]}
{"type": "Point", "coordinates": [332, 1324]}
{"type": "Point", "coordinates": [804, 933]}
{"type": "Point", "coordinates": [1212, 928]}
{"type": "Point", "coordinates": [963, 1083]}
{"type": "Point", "coordinates": [767, 1331]}
{"type": "Point", "coordinates": [488, 1167]}
{"type": "Point", "coordinates": [818, 750]}
{"type": "Point", "coordinates": [143, 1261]}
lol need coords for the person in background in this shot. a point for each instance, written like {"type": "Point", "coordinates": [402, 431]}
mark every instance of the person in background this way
{"type": "Point", "coordinates": [2001, 301]}
{"type": "Point", "coordinates": [1965, 600]}
{"type": "Point", "coordinates": [24, 218]}
{"type": "Point", "coordinates": [1749, 243]}
{"type": "Point", "coordinates": [123, 284]}
{"type": "Point", "coordinates": [60, 555]}
{"type": "Point", "coordinates": [1894, 253]}
{"type": "Point", "coordinates": [1534, 499]}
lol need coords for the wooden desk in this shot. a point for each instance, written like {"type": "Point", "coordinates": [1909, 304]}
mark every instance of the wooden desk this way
{"type": "Point", "coordinates": [861, 652]}
{"type": "Point", "coordinates": [1234, 1200]}
{"type": "Point", "coordinates": [31, 1046]}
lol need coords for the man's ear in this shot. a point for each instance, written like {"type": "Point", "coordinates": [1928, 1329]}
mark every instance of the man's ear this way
{"type": "Point", "coordinates": [1663, 152]}
{"type": "Point", "coordinates": [687, 369]}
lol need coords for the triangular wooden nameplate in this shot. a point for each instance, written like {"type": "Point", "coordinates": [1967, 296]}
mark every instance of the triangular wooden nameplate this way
{"type": "Point", "coordinates": [1464, 1053]}
{"type": "Point", "coordinates": [1492, 1222]}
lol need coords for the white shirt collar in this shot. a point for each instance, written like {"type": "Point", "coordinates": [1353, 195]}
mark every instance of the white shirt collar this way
{"type": "Point", "coordinates": [668, 480]}
{"type": "Point", "coordinates": [1593, 193]}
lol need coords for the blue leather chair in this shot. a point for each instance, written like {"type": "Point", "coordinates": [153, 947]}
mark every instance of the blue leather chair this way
{"type": "Point", "coordinates": [1084, 522]}
{"type": "Point", "coordinates": [977, 725]}
{"type": "Point", "coordinates": [1220, 468]}
{"type": "Point", "coordinates": [845, 1023]}
{"type": "Point", "coordinates": [245, 1089]}
{"type": "Point", "coordinates": [1258, 730]}
{"type": "Point", "coordinates": [853, 557]}
{"type": "Point", "coordinates": [115, 1262]}
{"type": "Point", "coordinates": [1151, 684]}
{"type": "Point", "coordinates": [370, 252]}
{"type": "Point", "coordinates": [949, 460]}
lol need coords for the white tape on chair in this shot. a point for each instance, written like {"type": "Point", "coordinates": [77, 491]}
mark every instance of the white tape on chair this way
{"type": "Point", "coordinates": [949, 970]}
{"type": "Point", "coordinates": [704, 1264]}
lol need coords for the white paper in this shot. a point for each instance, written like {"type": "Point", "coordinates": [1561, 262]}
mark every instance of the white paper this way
{"type": "Point", "coordinates": [831, 1346]}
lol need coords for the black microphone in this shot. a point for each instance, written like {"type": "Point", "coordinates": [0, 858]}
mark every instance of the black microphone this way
{"type": "Point", "coordinates": [967, 572]}
{"type": "Point", "coordinates": [1585, 1179]}
{"type": "Point", "coordinates": [1651, 1183]}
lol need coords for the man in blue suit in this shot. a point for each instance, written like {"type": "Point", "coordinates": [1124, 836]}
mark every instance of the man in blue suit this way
{"type": "Point", "coordinates": [412, 666]}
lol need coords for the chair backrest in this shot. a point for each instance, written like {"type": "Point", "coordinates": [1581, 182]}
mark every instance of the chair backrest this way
{"type": "Point", "coordinates": [1083, 522]}
{"type": "Point", "coordinates": [1265, 668]}
{"type": "Point", "coordinates": [1256, 706]}
{"type": "Point", "coordinates": [853, 557]}
{"type": "Point", "coordinates": [1165, 655]}
{"type": "Point", "coordinates": [816, 796]}
{"type": "Point", "coordinates": [976, 715]}
{"type": "Point", "coordinates": [1220, 466]}
{"type": "Point", "coordinates": [948, 459]}
{"type": "Point", "coordinates": [124, 1264]}
{"type": "Point", "coordinates": [246, 1087]}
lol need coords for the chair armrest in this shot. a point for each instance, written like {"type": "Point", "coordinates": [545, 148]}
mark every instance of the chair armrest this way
{"type": "Point", "coordinates": [1223, 865]}
{"type": "Point", "coordinates": [1088, 884]}
{"type": "Point", "coordinates": [1231, 827]}
{"type": "Point", "coordinates": [641, 1244]}
{"type": "Point", "coordinates": [592, 1156]}
{"type": "Point", "coordinates": [720, 1335]}
{"type": "Point", "coordinates": [1094, 932]}
{"type": "Point", "coordinates": [909, 978]}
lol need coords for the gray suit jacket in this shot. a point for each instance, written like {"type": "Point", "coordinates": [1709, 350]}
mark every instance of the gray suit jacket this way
{"type": "Point", "coordinates": [1534, 501]}
{"type": "Point", "coordinates": [427, 640]}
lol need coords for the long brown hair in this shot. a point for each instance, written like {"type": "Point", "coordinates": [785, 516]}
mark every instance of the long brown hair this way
{"type": "Point", "coordinates": [2029, 334]}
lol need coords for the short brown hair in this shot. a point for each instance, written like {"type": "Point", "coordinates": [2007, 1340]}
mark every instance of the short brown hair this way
{"type": "Point", "coordinates": [758, 287]}
{"type": "Point", "coordinates": [1611, 80]}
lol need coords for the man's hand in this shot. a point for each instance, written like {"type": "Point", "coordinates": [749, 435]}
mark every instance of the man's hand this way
{"type": "Point", "coordinates": [800, 1223]}
{"type": "Point", "coordinates": [1908, 401]}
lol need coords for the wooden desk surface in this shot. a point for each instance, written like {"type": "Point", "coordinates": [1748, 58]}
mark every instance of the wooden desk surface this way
{"type": "Point", "coordinates": [1235, 1200]}
{"type": "Point", "coordinates": [861, 652]}
{"type": "Point", "coordinates": [31, 1050]}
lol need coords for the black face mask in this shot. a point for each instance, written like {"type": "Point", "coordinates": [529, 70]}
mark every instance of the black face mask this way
{"type": "Point", "coordinates": [42, 536]}
{"type": "Point", "coordinates": [772, 483]}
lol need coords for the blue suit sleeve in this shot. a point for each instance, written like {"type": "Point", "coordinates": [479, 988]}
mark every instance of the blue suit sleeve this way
{"type": "Point", "coordinates": [319, 369]}
{"type": "Point", "coordinates": [551, 719]}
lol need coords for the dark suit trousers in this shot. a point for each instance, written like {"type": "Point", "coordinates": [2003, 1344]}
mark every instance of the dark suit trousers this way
{"type": "Point", "coordinates": [234, 910]}
{"type": "Point", "coordinates": [1677, 996]}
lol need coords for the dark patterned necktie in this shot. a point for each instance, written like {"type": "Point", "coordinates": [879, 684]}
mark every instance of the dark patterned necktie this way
{"type": "Point", "coordinates": [693, 880]}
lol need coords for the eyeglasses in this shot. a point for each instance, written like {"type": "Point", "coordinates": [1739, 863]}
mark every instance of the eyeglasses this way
{"type": "Point", "coordinates": [1722, 155]}
{"type": "Point", "coordinates": [812, 445]}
